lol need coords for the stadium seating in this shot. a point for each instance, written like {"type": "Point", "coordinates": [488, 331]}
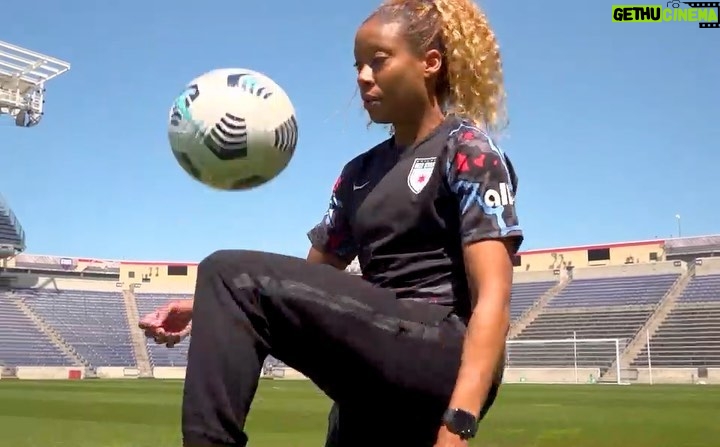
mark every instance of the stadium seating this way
{"type": "Point", "coordinates": [21, 342]}
{"type": "Point", "coordinates": [160, 355]}
{"type": "Point", "coordinates": [702, 289]}
{"type": "Point", "coordinates": [93, 323]}
{"type": "Point", "coordinates": [524, 295]}
{"type": "Point", "coordinates": [690, 335]}
{"type": "Point", "coordinates": [623, 291]}
{"type": "Point", "coordinates": [601, 323]}
{"type": "Point", "coordinates": [604, 307]}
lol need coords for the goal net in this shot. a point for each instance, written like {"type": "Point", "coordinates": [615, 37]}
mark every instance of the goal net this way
{"type": "Point", "coordinates": [568, 360]}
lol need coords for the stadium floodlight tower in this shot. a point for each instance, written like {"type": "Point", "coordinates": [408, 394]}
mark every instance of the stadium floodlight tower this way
{"type": "Point", "coordinates": [23, 75]}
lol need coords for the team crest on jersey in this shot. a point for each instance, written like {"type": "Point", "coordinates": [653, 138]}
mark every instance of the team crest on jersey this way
{"type": "Point", "coordinates": [419, 176]}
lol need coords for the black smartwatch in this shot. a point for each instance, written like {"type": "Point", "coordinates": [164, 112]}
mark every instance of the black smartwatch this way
{"type": "Point", "coordinates": [460, 422]}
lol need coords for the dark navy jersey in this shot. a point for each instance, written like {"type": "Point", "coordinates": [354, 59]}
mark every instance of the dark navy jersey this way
{"type": "Point", "coordinates": [407, 213]}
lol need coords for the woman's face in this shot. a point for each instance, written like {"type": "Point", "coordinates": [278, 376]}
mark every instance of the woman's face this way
{"type": "Point", "coordinates": [391, 77]}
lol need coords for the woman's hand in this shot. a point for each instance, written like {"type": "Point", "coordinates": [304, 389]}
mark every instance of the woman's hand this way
{"type": "Point", "coordinates": [169, 324]}
{"type": "Point", "coordinates": [447, 439]}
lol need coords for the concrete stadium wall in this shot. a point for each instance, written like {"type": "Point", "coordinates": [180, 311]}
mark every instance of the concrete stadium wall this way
{"type": "Point", "coordinates": [287, 374]}
{"type": "Point", "coordinates": [172, 288]}
{"type": "Point", "coordinates": [95, 285]}
{"type": "Point", "coordinates": [178, 372]}
{"type": "Point", "coordinates": [29, 280]}
{"type": "Point", "coordinates": [49, 373]}
{"type": "Point", "coordinates": [677, 376]}
{"type": "Point", "coordinates": [656, 268]}
{"type": "Point", "coordinates": [707, 266]}
{"type": "Point", "coordinates": [117, 372]}
{"type": "Point", "coordinates": [169, 372]}
{"type": "Point", "coordinates": [523, 277]}
{"type": "Point", "coordinates": [550, 375]}
{"type": "Point", "coordinates": [668, 376]}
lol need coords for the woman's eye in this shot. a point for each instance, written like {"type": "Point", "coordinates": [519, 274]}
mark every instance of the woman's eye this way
{"type": "Point", "coordinates": [378, 62]}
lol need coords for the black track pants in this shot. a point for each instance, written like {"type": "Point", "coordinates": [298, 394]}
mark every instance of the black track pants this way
{"type": "Point", "coordinates": [371, 353]}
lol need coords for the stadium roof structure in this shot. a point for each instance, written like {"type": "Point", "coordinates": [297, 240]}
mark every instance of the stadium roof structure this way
{"type": "Point", "coordinates": [692, 245]}
{"type": "Point", "coordinates": [23, 75]}
{"type": "Point", "coordinates": [12, 236]}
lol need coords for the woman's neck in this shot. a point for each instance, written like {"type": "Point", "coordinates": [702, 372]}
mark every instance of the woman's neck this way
{"type": "Point", "coordinates": [410, 133]}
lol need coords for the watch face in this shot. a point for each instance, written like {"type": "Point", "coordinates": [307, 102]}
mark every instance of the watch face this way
{"type": "Point", "coordinates": [461, 423]}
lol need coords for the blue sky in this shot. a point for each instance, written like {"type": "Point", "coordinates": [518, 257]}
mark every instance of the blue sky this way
{"type": "Point", "coordinates": [614, 127]}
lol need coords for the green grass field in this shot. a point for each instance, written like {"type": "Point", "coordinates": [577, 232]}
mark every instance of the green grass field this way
{"type": "Point", "coordinates": [293, 414]}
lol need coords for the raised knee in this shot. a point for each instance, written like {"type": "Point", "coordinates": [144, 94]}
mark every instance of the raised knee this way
{"type": "Point", "coordinates": [238, 260]}
{"type": "Point", "coordinates": [211, 261]}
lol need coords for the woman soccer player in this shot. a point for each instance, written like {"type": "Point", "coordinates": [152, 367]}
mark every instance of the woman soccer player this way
{"type": "Point", "coordinates": [412, 351]}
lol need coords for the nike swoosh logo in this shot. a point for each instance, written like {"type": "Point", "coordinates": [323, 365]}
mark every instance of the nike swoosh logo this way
{"type": "Point", "coordinates": [356, 187]}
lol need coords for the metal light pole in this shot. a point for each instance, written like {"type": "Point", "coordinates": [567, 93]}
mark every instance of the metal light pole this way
{"type": "Point", "coordinates": [677, 217]}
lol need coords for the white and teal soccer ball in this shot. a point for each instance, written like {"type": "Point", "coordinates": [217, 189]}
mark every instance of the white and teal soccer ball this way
{"type": "Point", "coordinates": [233, 129]}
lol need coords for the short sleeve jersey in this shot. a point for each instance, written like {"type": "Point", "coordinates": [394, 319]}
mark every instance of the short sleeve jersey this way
{"type": "Point", "coordinates": [406, 214]}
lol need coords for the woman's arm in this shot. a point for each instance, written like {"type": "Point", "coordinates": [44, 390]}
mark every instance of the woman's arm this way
{"type": "Point", "coordinates": [489, 269]}
{"type": "Point", "coordinates": [484, 183]}
{"type": "Point", "coordinates": [316, 256]}
{"type": "Point", "coordinates": [332, 240]}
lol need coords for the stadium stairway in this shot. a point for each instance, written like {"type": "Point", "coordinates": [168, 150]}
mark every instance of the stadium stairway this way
{"type": "Point", "coordinates": [663, 308]}
{"type": "Point", "coordinates": [526, 318]}
{"type": "Point", "coordinates": [50, 333]}
{"type": "Point", "coordinates": [137, 336]}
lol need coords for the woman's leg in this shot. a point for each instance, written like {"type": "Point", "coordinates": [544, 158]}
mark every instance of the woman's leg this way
{"type": "Point", "coordinates": [362, 428]}
{"type": "Point", "coordinates": [356, 342]}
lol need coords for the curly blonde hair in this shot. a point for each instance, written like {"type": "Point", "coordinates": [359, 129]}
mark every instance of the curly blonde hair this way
{"type": "Point", "coordinates": [471, 82]}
